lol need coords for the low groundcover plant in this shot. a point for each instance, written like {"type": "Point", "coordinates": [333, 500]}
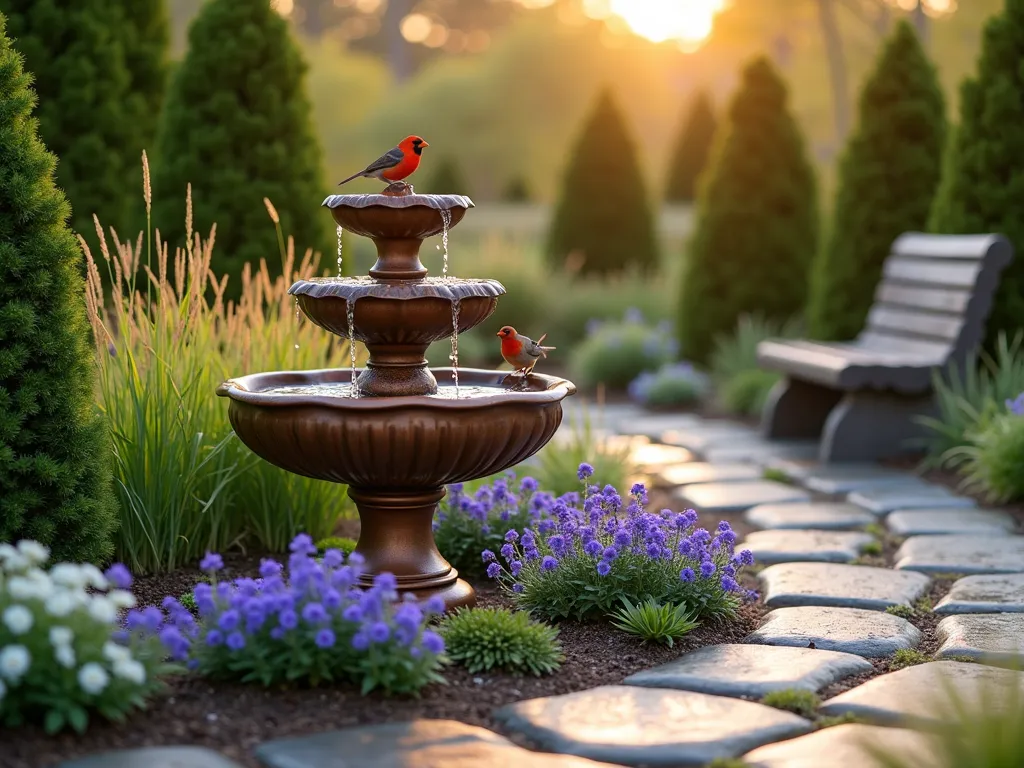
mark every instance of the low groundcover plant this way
{"type": "Point", "coordinates": [63, 656]}
{"type": "Point", "coordinates": [313, 624]}
{"type": "Point", "coordinates": [482, 639]}
{"type": "Point", "coordinates": [585, 558]}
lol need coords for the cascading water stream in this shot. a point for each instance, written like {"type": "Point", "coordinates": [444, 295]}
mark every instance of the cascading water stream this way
{"type": "Point", "coordinates": [455, 344]}
{"type": "Point", "coordinates": [339, 249]}
{"type": "Point", "coordinates": [446, 220]}
{"type": "Point", "coordinates": [298, 319]}
{"type": "Point", "coordinates": [350, 307]}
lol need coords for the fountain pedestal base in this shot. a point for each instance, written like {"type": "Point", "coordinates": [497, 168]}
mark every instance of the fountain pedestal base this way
{"type": "Point", "coordinates": [396, 536]}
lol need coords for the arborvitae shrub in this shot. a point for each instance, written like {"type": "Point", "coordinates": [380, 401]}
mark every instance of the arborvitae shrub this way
{"type": "Point", "coordinates": [692, 150]}
{"type": "Point", "coordinates": [236, 125]}
{"type": "Point", "coordinates": [983, 179]}
{"type": "Point", "coordinates": [603, 223]}
{"type": "Point", "coordinates": [887, 179]}
{"type": "Point", "coordinates": [74, 48]}
{"type": "Point", "coordinates": [517, 191]}
{"type": "Point", "coordinates": [55, 460]}
{"type": "Point", "coordinates": [447, 179]}
{"type": "Point", "coordinates": [757, 219]}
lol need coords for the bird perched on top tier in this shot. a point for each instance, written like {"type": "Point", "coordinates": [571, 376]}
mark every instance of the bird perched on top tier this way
{"type": "Point", "coordinates": [396, 164]}
{"type": "Point", "coordinates": [521, 352]}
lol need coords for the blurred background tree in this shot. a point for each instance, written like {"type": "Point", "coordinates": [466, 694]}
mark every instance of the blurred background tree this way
{"type": "Point", "coordinates": [692, 150]}
{"type": "Point", "coordinates": [447, 178]}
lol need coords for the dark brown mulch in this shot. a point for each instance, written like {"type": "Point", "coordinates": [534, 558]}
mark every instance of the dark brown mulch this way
{"type": "Point", "coordinates": [235, 718]}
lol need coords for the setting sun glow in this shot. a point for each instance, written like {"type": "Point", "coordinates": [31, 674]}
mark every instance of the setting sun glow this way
{"type": "Point", "coordinates": [687, 21]}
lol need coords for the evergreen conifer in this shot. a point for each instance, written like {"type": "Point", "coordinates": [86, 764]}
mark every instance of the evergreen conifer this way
{"type": "Point", "coordinates": [692, 150]}
{"type": "Point", "coordinates": [757, 219]}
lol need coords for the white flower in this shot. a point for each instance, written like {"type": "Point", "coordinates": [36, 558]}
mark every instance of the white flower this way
{"type": "Point", "coordinates": [121, 598]}
{"type": "Point", "coordinates": [93, 678]}
{"type": "Point", "coordinates": [131, 670]}
{"type": "Point", "coordinates": [14, 662]}
{"type": "Point", "coordinates": [115, 652]}
{"type": "Point", "coordinates": [61, 636]}
{"type": "Point", "coordinates": [93, 576]}
{"type": "Point", "coordinates": [18, 619]}
{"type": "Point", "coordinates": [68, 575]}
{"type": "Point", "coordinates": [33, 551]}
{"type": "Point", "coordinates": [101, 609]}
{"type": "Point", "coordinates": [33, 585]}
{"type": "Point", "coordinates": [65, 656]}
{"type": "Point", "coordinates": [60, 604]}
{"type": "Point", "coordinates": [12, 560]}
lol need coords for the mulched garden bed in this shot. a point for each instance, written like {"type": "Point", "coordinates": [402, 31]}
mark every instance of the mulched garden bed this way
{"type": "Point", "coordinates": [235, 718]}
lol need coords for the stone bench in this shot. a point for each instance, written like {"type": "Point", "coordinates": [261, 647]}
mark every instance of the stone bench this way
{"type": "Point", "coordinates": [862, 398]}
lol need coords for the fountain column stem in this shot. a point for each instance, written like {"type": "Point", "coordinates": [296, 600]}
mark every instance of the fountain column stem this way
{"type": "Point", "coordinates": [396, 536]}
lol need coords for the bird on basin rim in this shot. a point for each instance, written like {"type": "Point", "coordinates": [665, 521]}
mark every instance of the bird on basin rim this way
{"type": "Point", "coordinates": [396, 164]}
{"type": "Point", "coordinates": [521, 352]}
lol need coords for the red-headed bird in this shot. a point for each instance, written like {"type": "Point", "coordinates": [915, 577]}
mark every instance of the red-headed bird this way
{"type": "Point", "coordinates": [521, 352]}
{"type": "Point", "coordinates": [396, 164]}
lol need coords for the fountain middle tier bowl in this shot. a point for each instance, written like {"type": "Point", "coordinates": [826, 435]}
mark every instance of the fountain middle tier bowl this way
{"type": "Point", "coordinates": [307, 423]}
{"type": "Point", "coordinates": [396, 312]}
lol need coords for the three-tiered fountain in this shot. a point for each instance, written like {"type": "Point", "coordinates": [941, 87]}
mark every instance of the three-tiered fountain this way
{"type": "Point", "coordinates": [396, 431]}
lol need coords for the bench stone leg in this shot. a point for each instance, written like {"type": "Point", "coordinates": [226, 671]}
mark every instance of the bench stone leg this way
{"type": "Point", "coordinates": [868, 426]}
{"type": "Point", "coordinates": [797, 410]}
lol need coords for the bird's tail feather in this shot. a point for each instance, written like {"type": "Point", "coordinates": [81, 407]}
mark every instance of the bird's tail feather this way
{"type": "Point", "coordinates": [353, 176]}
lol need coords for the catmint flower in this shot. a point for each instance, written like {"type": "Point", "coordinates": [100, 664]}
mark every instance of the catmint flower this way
{"type": "Point", "coordinates": [18, 619]}
{"type": "Point", "coordinates": [211, 563]}
{"type": "Point", "coordinates": [433, 642]}
{"type": "Point", "coordinates": [386, 582]}
{"type": "Point", "coordinates": [493, 570]}
{"type": "Point", "coordinates": [332, 599]}
{"type": "Point", "coordinates": [529, 540]}
{"type": "Point", "coordinates": [302, 544]}
{"type": "Point", "coordinates": [235, 641]}
{"type": "Point", "coordinates": [653, 550]}
{"type": "Point", "coordinates": [604, 568]}
{"type": "Point", "coordinates": [214, 638]}
{"type": "Point", "coordinates": [314, 613]}
{"type": "Point", "coordinates": [686, 574]}
{"type": "Point", "coordinates": [435, 604]}
{"type": "Point", "coordinates": [729, 584]}
{"type": "Point", "coordinates": [707, 569]}
{"type": "Point", "coordinates": [511, 535]}
{"type": "Point", "coordinates": [353, 613]}
{"type": "Point", "coordinates": [119, 576]}
{"type": "Point", "coordinates": [531, 553]}
{"type": "Point", "coordinates": [623, 538]}
{"type": "Point", "coordinates": [610, 553]}
{"type": "Point", "coordinates": [746, 557]}
{"type": "Point", "coordinates": [333, 558]}
{"type": "Point", "coordinates": [360, 641]}
{"type": "Point", "coordinates": [325, 639]}
{"type": "Point", "coordinates": [593, 548]}
{"type": "Point", "coordinates": [548, 563]}
{"type": "Point", "coordinates": [488, 556]}
{"type": "Point", "coordinates": [515, 567]}
{"type": "Point", "coordinates": [507, 551]}
{"type": "Point", "coordinates": [228, 620]}
{"type": "Point", "coordinates": [517, 588]}
{"type": "Point", "coordinates": [379, 632]}
{"type": "Point", "coordinates": [528, 485]}
{"type": "Point", "coordinates": [1016, 406]}
{"type": "Point", "coordinates": [93, 678]}
{"type": "Point", "coordinates": [585, 470]}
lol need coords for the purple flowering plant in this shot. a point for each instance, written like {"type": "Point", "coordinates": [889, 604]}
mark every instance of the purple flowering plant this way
{"type": "Point", "coordinates": [582, 560]}
{"type": "Point", "coordinates": [674, 384]}
{"type": "Point", "coordinates": [468, 522]}
{"type": "Point", "coordinates": [311, 623]}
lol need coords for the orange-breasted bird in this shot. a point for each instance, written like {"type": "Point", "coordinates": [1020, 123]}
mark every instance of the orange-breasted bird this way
{"type": "Point", "coordinates": [521, 352]}
{"type": "Point", "coordinates": [396, 164]}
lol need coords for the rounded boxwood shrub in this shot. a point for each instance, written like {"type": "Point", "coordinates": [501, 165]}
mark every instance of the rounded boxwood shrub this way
{"type": "Point", "coordinates": [614, 354]}
{"type": "Point", "coordinates": [447, 179]}
{"type": "Point", "coordinates": [671, 386]}
{"type": "Point", "coordinates": [757, 219]}
{"type": "Point", "coordinates": [887, 179]}
{"type": "Point", "coordinates": [482, 639]}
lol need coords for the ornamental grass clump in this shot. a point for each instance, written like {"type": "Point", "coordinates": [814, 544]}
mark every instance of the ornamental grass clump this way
{"type": "Point", "coordinates": [465, 524]}
{"type": "Point", "coordinates": [312, 624]}
{"type": "Point", "coordinates": [597, 549]}
{"type": "Point", "coordinates": [63, 656]}
{"type": "Point", "coordinates": [991, 462]}
{"type": "Point", "coordinates": [482, 639]}
{"type": "Point", "coordinates": [654, 622]}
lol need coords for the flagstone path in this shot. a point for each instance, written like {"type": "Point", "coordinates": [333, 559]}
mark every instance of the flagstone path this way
{"type": "Point", "coordinates": [827, 631]}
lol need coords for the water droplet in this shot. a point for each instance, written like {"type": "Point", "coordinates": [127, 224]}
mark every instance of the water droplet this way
{"type": "Point", "coordinates": [339, 251]}
{"type": "Point", "coordinates": [351, 312]}
{"type": "Point", "coordinates": [446, 220]}
{"type": "Point", "coordinates": [455, 344]}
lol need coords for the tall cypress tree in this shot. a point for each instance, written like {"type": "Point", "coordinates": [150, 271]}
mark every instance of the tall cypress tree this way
{"type": "Point", "coordinates": [603, 211]}
{"type": "Point", "coordinates": [983, 178]}
{"type": "Point", "coordinates": [757, 218]}
{"type": "Point", "coordinates": [75, 50]}
{"type": "Point", "coordinates": [692, 150]}
{"type": "Point", "coordinates": [237, 126]}
{"type": "Point", "coordinates": [887, 179]}
{"type": "Point", "coordinates": [55, 476]}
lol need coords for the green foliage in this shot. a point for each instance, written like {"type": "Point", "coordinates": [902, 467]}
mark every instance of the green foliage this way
{"type": "Point", "coordinates": [747, 392]}
{"type": "Point", "coordinates": [742, 386]}
{"type": "Point", "coordinates": [188, 600]}
{"type": "Point", "coordinates": [59, 664]}
{"type": "Point", "coordinates": [992, 461]}
{"type": "Point", "coordinates": [969, 398]}
{"type": "Point", "coordinates": [907, 657]}
{"type": "Point", "coordinates": [556, 465]}
{"type": "Point", "coordinates": [982, 179]}
{"type": "Point", "coordinates": [776, 474]}
{"type": "Point", "coordinates": [873, 548]}
{"type": "Point", "coordinates": [757, 219]}
{"type": "Point", "coordinates": [923, 605]}
{"type": "Point", "coordinates": [617, 352]}
{"type": "Point", "coordinates": [848, 718]}
{"type": "Point", "coordinates": [344, 545]}
{"type": "Point", "coordinates": [603, 216]}
{"type": "Point", "coordinates": [728, 762]}
{"type": "Point", "coordinates": [693, 146]}
{"type": "Point", "coordinates": [887, 178]}
{"type": "Point", "coordinates": [55, 478]}
{"type": "Point", "coordinates": [655, 622]}
{"type": "Point", "coordinates": [243, 82]}
{"type": "Point", "coordinates": [672, 386]}
{"type": "Point", "coordinates": [87, 113]}
{"type": "Point", "coordinates": [447, 179]}
{"type": "Point", "coordinates": [517, 190]}
{"type": "Point", "coordinates": [482, 639]}
{"type": "Point", "coordinates": [472, 350]}
{"type": "Point", "coordinates": [795, 700]}
{"type": "Point", "coordinates": [903, 611]}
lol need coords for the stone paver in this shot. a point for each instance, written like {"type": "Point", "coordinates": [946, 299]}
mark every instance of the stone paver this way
{"type": "Point", "coordinates": [844, 586]}
{"type": "Point", "coordinates": [736, 497]}
{"type": "Point", "coordinates": [817, 515]}
{"type": "Point", "coordinates": [762, 452]}
{"type": "Point", "coordinates": [846, 746]}
{"type": "Point", "coordinates": [995, 593]}
{"type": "Point", "coordinates": [915, 696]}
{"type": "Point", "coordinates": [917, 522]}
{"type": "Point", "coordinates": [652, 457]}
{"type": "Point", "coordinates": [416, 744]}
{"type": "Point", "coordinates": [751, 670]}
{"type": "Point", "coordinates": [882, 501]}
{"type": "Point", "coordinates": [849, 630]}
{"type": "Point", "coordinates": [710, 434]}
{"type": "Point", "coordinates": [154, 757]}
{"type": "Point", "coordinates": [635, 726]}
{"type": "Point", "coordinates": [789, 546]}
{"type": "Point", "coordinates": [993, 638]}
{"type": "Point", "coordinates": [962, 554]}
{"type": "Point", "coordinates": [703, 472]}
{"type": "Point", "coordinates": [655, 427]}
{"type": "Point", "coordinates": [835, 479]}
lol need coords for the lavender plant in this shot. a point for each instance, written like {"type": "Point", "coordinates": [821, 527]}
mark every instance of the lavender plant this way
{"type": "Point", "coordinates": [598, 549]}
{"type": "Point", "coordinates": [672, 385]}
{"type": "Point", "coordinates": [313, 624]}
{"type": "Point", "coordinates": [466, 524]}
